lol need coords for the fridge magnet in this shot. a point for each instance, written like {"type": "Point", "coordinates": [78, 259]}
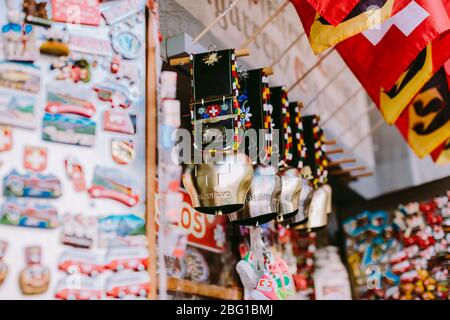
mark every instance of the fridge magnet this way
{"type": "Point", "coordinates": [3, 265]}
{"type": "Point", "coordinates": [55, 43]}
{"type": "Point", "coordinates": [127, 43]}
{"type": "Point", "coordinates": [120, 121]}
{"type": "Point", "coordinates": [70, 103]}
{"type": "Point", "coordinates": [196, 266]}
{"type": "Point", "coordinates": [124, 10]}
{"type": "Point", "coordinates": [127, 258]}
{"type": "Point", "coordinates": [5, 138]}
{"type": "Point", "coordinates": [19, 38]}
{"type": "Point", "coordinates": [36, 12]}
{"type": "Point", "coordinates": [134, 284]}
{"type": "Point", "coordinates": [35, 158]}
{"type": "Point", "coordinates": [81, 261]}
{"type": "Point", "coordinates": [111, 183]}
{"type": "Point", "coordinates": [123, 151]}
{"type": "Point", "coordinates": [87, 288]}
{"type": "Point", "coordinates": [75, 172]}
{"type": "Point", "coordinates": [35, 278]}
{"type": "Point", "coordinates": [20, 77]}
{"type": "Point", "coordinates": [21, 213]}
{"type": "Point", "coordinates": [89, 45]}
{"type": "Point", "coordinates": [75, 70]}
{"type": "Point", "coordinates": [121, 230]}
{"type": "Point", "coordinates": [17, 110]}
{"type": "Point", "coordinates": [68, 129]}
{"type": "Point", "coordinates": [31, 185]}
{"type": "Point", "coordinates": [79, 230]}
{"type": "Point", "coordinates": [76, 12]}
{"type": "Point", "coordinates": [116, 94]}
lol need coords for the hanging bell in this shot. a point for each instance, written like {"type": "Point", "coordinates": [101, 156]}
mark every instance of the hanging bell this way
{"type": "Point", "coordinates": [329, 192]}
{"type": "Point", "coordinates": [220, 184]}
{"type": "Point", "coordinates": [291, 184]}
{"type": "Point", "coordinates": [305, 198]}
{"type": "Point", "coordinates": [262, 201]}
{"type": "Point", "coordinates": [317, 215]}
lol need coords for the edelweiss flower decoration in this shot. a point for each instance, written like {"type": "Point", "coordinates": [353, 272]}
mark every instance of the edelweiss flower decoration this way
{"type": "Point", "coordinates": [211, 59]}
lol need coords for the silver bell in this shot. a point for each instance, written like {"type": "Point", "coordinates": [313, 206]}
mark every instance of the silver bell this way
{"type": "Point", "coordinates": [317, 213]}
{"type": "Point", "coordinates": [262, 201]}
{"type": "Point", "coordinates": [329, 192]}
{"type": "Point", "coordinates": [291, 185]}
{"type": "Point", "coordinates": [220, 184]}
{"type": "Point", "coordinates": [305, 198]}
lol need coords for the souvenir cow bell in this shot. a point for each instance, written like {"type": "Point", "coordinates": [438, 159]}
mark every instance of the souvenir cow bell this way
{"type": "Point", "coordinates": [317, 213]}
{"type": "Point", "coordinates": [291, 185]}
{"type": "Point", "coordinates": [220, 184]}
{"type": "Point", "coordinates": [329, 192]}
{"type": "Point", "coordinates": [305, 198]}
{"type": "Point", "coordinates": [262, 201]}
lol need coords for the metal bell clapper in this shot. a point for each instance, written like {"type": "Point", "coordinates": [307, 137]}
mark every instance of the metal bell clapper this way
{"type": "Point", "coordinates": [305, 198]}
{"type": "Point", "coordinates": [291, 185]}
{"type": "Point", "coordinates": [329, 192]}
{"type": "Point", "coordinates": [317, 213]}
{"type": "Point", "coordinates": [262, 200]}
{"type": "Point", "coordinates": [220, 184]}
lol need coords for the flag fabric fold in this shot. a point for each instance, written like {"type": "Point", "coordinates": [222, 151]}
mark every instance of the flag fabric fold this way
{"type": "Point", "coordinates": [442, 154]}
{"type": "Point", "coordinates": [334, 11]}
{"type": "Point", "coordinates": [322, 34]}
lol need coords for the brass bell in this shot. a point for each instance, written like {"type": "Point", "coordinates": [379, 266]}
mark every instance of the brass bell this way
{"type": "Point", "coordinates": [291, 185]}
{"type": "Point", "coordinates": [329, 192]}
{"type": "Point", "coordinates": [317, 215]}
{"type": "Point", "coordinates": [305, 198]}
{"type": "Point", "coordinates": [220, 184]}
{"type": "Point", "coordinates": [262, 201]}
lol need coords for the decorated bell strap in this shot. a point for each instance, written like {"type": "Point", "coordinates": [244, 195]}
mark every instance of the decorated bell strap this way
{"type": "Point", "coordinates": [267, 117]}
{"type": "Point", "coordinates": [298, 142]}
{"type": "Point", "coordinates": [262, 200]}
{"type": "Point", "coordinates": [314, 162]}
{"type": "Point", "coordinates": [253, 99]}
{"type": "Point", "coordinates": [281, 119]}
{"type": "Point", "coordinates": [220, 184]}
{"type": "Point", "coordinates": [215, 87]}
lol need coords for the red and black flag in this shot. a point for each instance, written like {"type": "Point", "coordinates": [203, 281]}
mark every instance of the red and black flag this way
{"type": "Point", "coordinates": [349, 18]}
{"type": "Point", "coordinates": [425, 123]}
{"type": "Point", "coordinates": [396, 59]}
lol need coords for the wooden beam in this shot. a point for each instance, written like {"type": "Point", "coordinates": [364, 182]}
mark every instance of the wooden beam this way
{"type": "Point", "coordinates": [334, 151]}
{"type": "Point", "coordinates": [268, 71]}
{"type": "Point", "coordinates": [356, 177]}
{"type": "Point", "coordinates": [346, 171]}
{"type": "Point", "coordinates": [204, 290]}
{"type": "Point", "coordinates": [339, 162]}
{"type": "Point", "coordinates": [330, 142]}
{"type": "Point", "coordinates": [258, 31]}
{"type": "Point", "coordinates": [151, 151]}
{"type": "Point", "coordinates": [174, 62]}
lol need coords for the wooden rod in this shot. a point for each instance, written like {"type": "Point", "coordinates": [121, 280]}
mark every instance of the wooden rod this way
{"type": "Point", "coordinates": [318, 62]}
{"type": "Point", "coordinates": [151, 151]}
{"type": "Point", "coordinates": [253, 37]}
{"type": "Point", "coordinates": [268, 71]}
{"type": "Point", "coordinates": [174, 62]}
{"type": "Point", "coordinates": [329, 83]}
{"type": "Point", "coordinates": [356, 177]}
{"type": "Point", "coordinates": [339, 162]}
{"type": "Point", "coordinates": [330, 142]}
{"type": "Point", "coordinates": [215, 21]}
{"type": "Point", "coordinates": [352, 124]}
{"type": "Point", "coordinates": [374, 129]}
{"type": "Point", "coordinates": [346, 171]}
{"type": "Point", "coordinates": [286, 51]}
{"type": "Point", "coordinates": [342, 106]}
{"type": "Point", "coordinates": [334, 151]}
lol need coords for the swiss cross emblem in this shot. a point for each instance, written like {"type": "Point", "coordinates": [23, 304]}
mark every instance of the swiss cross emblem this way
{"type": "Point", "coordinates": [35, 158]}
{"type": "Point", "coordinates": [213, 110]}
{"type": "Point", "coordinates": [5, 138]}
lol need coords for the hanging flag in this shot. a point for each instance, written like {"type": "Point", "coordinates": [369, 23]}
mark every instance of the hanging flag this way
{"type": "Point", "coordinates": [333, 11]}
{"type": "Point", "coordinates": [396, 59]}
{"type": "Point", "coordinates": [362, 15]}
{"type": "Point", "coordinates": [442, 154]}
{"type": "Point", "coordinates": [425, 123]}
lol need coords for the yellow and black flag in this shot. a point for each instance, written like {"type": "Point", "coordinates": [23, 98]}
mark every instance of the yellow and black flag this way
{"type": "Point", "coordinates": [442, 154]}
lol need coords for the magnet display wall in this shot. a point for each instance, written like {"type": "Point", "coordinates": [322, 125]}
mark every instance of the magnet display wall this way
{"type": "Point", "coordinates": [54, 130]}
